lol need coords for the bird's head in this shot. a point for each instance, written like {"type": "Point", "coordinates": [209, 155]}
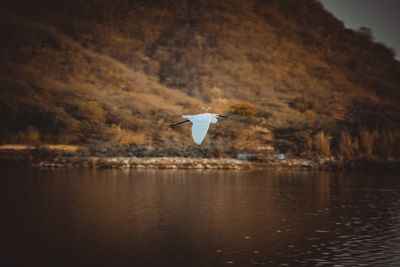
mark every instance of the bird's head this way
{"type": "Point", "coordinates": [215, 117]}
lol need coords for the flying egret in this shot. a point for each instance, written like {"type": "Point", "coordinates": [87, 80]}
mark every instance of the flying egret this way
{"type": "Point", "coordinates": [200, 124]}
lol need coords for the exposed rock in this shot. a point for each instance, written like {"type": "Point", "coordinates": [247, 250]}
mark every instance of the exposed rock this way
{"type": "Point", "coordinates": [141, 163]}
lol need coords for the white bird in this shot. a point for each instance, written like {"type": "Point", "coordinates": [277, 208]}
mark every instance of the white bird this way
{"type": "Point", "coordinates": [200, 124]}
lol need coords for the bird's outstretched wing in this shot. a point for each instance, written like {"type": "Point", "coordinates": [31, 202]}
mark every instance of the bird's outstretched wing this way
{"type": "Point", "coordinates": [199, 131]}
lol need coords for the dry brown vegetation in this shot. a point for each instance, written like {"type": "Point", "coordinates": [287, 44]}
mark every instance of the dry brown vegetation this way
{"type": "Point", "coordinates": [322, 144]}
{"type": "Point", "coordinates": [112, 75]}
{"type": "Point", "coordinates": [362, 144]}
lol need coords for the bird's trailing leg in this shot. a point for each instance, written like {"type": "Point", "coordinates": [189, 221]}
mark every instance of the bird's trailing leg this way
{"type": "Point", "coordinates": [223, 116]}
{"type": "Point", "coordinates": [178, 123]}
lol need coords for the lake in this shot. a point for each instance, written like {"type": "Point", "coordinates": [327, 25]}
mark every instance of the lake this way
{"type": "Point", "coordinates": [82, 217]}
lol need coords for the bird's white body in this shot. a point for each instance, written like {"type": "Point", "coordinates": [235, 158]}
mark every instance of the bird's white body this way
{"type": "Point", "coordinates": [200, 124]}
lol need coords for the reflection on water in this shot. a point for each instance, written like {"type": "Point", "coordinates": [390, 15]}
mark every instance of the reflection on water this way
{"type": "Point", "coordinates": [199, 218]}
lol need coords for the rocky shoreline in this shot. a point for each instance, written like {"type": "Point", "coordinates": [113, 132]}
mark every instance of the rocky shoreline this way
{"type": "Point", "coordinates": [144, 163]}
{"type": "Point", "coordinates": [44, 159]}
{"type": "Point", "coordinates": [210, 163]}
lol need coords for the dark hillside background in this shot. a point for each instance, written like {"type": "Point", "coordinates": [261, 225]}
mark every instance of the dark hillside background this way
{"type": "Point", "coordinates": [112, 75]}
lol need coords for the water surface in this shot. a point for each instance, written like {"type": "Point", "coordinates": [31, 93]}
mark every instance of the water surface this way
{"type": "Point", "coordinates": [199, 218]}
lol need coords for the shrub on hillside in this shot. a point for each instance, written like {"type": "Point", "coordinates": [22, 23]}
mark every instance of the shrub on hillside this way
{"type": "Point", "coordinates": [243, 109]}
{"type": "Point", "coordinates": [30, 136]}
{"type": "Point", "coordinates": [292, 137]}
{"type": "Point", "coordinates": [92, 112]}
{"type": "Point", "coordinates": [282, 145]}
{"type": "Point", "coordinates": [302, 103]}
{"type": "Point", "coordinates": [264, 114]}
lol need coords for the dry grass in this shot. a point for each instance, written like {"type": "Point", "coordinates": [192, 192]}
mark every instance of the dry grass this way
{"type": "Point", "coordinates": [30, 136]}
{"type": "Point", "coordinates": [65, 148]}
{"type": "Point", "coordinates": [367, 141]}
{"type": "Point", "coordinates": [126, 136]}
{"type": "Point", "coordinates": [322, 143]}
{"type": "Point", "coordinates": [348, 146]}
{"type": "Point", "coordinates": [14, 147]}
{"type": "Point", "coordinates": [113, 76]}
{"type": "Point", "coordinates": [54, 147]}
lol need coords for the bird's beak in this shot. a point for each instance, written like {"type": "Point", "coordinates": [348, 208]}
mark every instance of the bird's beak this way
{"type": "Point", "coordinates": [223, 116]}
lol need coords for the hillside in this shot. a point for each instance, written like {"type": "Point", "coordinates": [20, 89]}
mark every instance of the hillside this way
{"type": "Point", "coordinates": [112, 75]}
